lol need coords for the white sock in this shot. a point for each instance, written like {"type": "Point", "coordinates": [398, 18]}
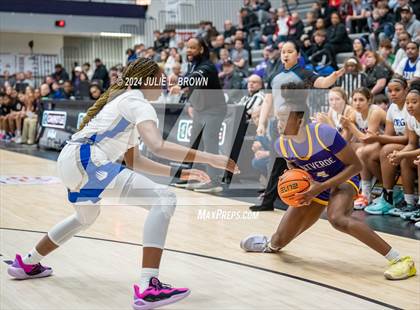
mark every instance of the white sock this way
{"type": "Point", "coordinates": [146, 275]}
{"type": "Point", "coordinates": [410, 198]}
{"type": "Point", "coordinates": [392, 255]}
{"type": "Point", "coordinates": [32, 258]}
{"type": "Point", "coordinates": [366, 187]}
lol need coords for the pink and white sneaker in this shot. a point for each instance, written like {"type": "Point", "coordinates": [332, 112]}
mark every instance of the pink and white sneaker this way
{"type": "Point", "coordinates": [157, 295]}
{"type": "Point", "coordinates": [20, 270]}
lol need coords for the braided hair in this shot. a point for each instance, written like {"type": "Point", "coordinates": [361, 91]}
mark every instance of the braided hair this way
{"type": "Point", "coordinates": [140, 69]}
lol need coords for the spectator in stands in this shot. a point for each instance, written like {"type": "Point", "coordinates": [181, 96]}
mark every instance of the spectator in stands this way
{"type": "Point", "coordinates": [229, 29]}
{"type": "Point", "coordinates": [172, 38]}
{"type": "Point", "coordinates": [354, 77]}
{"type": "Point", "coordinates": [409, 67]}
{"type": "Point", "coordinates": [282, 26]}
{"type": "Point", "coordinates": [159, 42]}
{"type": "Point", "coordinates": [95, 92]}
{"type": "Point", "coordinates": [403, 40]}
{"type": "Point", "coordinates": [255, 96]}
{"type": "Point", "coordinates": [16, 107]}
{"type": "Point", "coordinates": [151, 53]}
{"type": "Point", "coordinates": [5, 109]}
{"type": "Point", "coordinates": [357, 22]}
{"type": "Point", "coordinates": [87, 70]}
{"type": "Point", "coordinates": [45, 91]}
{"type": "Point", "coordinates": [68, 92]}
{"type": "Point", "coordinates": [410, 22]}
{"type": "Point", "coordinates": [399, 28]}
{"type": "Point", "coordinates": [131, 55]}
{"type": "Point", "coordinates": [337, 38]}
{"type": "Point", "coordinates": [320, 24]}
{"type": "Point", "coordinates": [7, 79]}
{"type": "Point", "coordinates": [318, 10]}
{"type": "Point", "coordinates": [231, 79]}
{"type": "Point", "coordinates": [20, 85]}
{"type": "Point", "coordinates": [57, 90]}
{"type": "Point", "coordinates": [261, 68]}
{"type": "Point", "coordinates": [101, 73]}
{"type": "Point", "coordinates": [359, 50]}
{"type": "Point", "coordinates": [378, 73]}
{"type": "Point", "coordinates": [223, 56]}
{"type": "Point", "coordinates": [217, 44]}
{"type": "Point", "coordinates": [310, 23]}
{"type": "Point", "coordinates": [248, 20]}
{"type": "Point", "coordinates": [30, 121]}
{"type": "Point", "coordinates": [60, 73]}
{"type": "Point", "coordinates": [383, 28]}
{"type": "Point", "coordinates": [274, 64]}
{"type": "Point", "coordinates": [240, 57]}
{"type": "Point", "coordinates": [76, 78]}
{"type": "Point", "coordinates": [266, 35]}
{"type": "Point", "coordinates": [296, 28]}
{"type": "Point", "coordinates": [163, 58]}
{"type": "Point", "coordinates": [385, 51]}
{"type": "Point", "coordinates": [29, 79]}
{"type": "Point", "coordinates": [318, 55]}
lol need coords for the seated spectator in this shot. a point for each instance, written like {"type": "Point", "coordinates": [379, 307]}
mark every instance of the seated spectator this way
{"type": "Point", "coordinates": [248, 20]}
{"type": "Point", "coordinates": [266, 34]}
{"type": "Point", "coordinates": [172, 38]}
{"type": "Point", "coordinates": [255, 97]}
{"type": "Point", "coordinates": [409, 67]}
{"type": "Point", "coordinates": [357, 21]}
{"type": "Point", "coordinates": [229, 30]}
{"type": "Point", "coordinates": [403, 40]}
{"type": "Point", "coordinates": [131, 55]}
{"type": "Point", "coordinates": [87, 70]}
{"type": "Point", "coordinates": [223, 56]}
{"type": "Point", "coordinates": [101, 73]}
{"type": "Point", "coordinates": [378, 73]}
{"type": "Point", "coordinates": [382, 27]}
{"type": "Point", "coordinates": [76, 78]}
{"type": "Point", "coordinates": [240, 57]}
{"type": "Point", "coordinates": [17, 109]}
{"type": "Point", "coordinates": [68, 92]}
{"type": "Point", "coordinates": [29, 79]}
{"type": "Point", "coordinates": [57, 91]}
{"type": "Point", "coordinates": [261, 68]}
{"type": "Point", "coordinates": [337, 38]}
{"type": "Point", "coordinates": [353, 78]}
{"type": "Point", "coordinates": [359, 50]}
{"type": "Point", "coordinates": [60, 73]}
{"type": "Point", "coordinates": [159, 42]}
{"type": "Point", "coordinates": [318, 55]}
{"type": "Point", "coordinates": [19, 84]}
{"type": "Point", "coordinates": [7, 79]}
{"type": "Point", "coordinates": [5, 109]}
{"type": "Point", "coordinates": [95, 91]}
{"type": "Point", "coordinates": [283, 20]}
{"type": "Point", "coordinates": [310, 23]}
{"type": "Point", "coordinates": [399, 28]}
{"type": "Point", "coordinates": [320, 24]}
{"type": "Point", "coordinates": [170, 61]}
{"type": "Point", "coordinates": [45, 91]}
{"type": "Point", "coordinates": [217, 44]}
{"type": "Point", "coordinates": [231, 79]}
{"type": "Point", "coordinates": [274, 64]}
{"type": "Point", "coordinates": [385, 51]}
{"type": "Point", "coordinates": [410, 22]}
{"type": "Point", "coordinates": [296, 28]}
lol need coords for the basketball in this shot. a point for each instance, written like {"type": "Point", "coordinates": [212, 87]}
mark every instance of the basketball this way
{"type": "Point", "coordinates": [291, 182]}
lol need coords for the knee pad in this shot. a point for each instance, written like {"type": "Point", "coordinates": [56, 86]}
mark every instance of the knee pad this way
{"type": "Point", "coordinates": [167, 202]}
{"type": "Point", "coordinates": [87, 214]}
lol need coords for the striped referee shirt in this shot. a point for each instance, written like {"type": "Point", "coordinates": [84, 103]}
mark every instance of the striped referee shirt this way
{"type": "Point", "coordinates": [349, 82]}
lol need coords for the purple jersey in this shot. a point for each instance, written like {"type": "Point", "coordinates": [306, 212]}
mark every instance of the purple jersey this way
{"type": "Point", "coordinates": [316, 155]}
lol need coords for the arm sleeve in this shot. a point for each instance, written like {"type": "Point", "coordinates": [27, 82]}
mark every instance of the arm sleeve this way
{"type": "Point", "coordinates": [136, 110]}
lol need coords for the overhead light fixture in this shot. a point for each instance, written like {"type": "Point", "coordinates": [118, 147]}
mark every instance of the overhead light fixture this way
{"type": "Point", "coordinates": [143, 2]}
{"type": "Point", "coordinates": [116, 34]}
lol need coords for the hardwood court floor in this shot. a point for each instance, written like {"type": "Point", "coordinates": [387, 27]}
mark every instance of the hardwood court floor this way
{"type": "Point", "coordinates": [322, 269]}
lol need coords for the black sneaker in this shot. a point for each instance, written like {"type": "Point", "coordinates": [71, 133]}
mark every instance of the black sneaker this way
{"type": "Point", "coordinates": [211, 187]}
{"type": "Point", "coordinates": [261, 208]}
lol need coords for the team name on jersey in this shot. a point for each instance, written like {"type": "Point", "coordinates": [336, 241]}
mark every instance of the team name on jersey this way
{"type": "Point", "coordinates": [399, 122]}
{"type": "Point", "coordinates": [319, 164]}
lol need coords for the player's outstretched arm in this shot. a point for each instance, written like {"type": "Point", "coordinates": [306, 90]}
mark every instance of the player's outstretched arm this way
{"type": "Point", "coordinates": [168, 150]}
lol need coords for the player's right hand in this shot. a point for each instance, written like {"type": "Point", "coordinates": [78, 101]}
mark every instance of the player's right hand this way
{"type": "Point", "coordinates": [225, 163]}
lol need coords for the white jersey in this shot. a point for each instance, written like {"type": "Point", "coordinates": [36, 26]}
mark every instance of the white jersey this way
{"type": "Point", "coordinates": [361, 123]}
{"type": "Point", "coordinates": [414, 125]}
{"type": "Point", "coordinates": [113, 129]}
{"type": "Point", "coordinates": [398, 118]}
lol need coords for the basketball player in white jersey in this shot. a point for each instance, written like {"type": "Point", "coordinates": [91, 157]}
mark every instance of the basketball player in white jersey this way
{"type": "Point", "coordinates": [88, 166]}
{"type": "Point", "coordinates": [367, 118]}
{"type": "Point", "coordinates": [405, 158]}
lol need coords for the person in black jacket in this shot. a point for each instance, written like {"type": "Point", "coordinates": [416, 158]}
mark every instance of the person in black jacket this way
{"type": "Point", "coordinates": [60, 73]}
{"type": "Point", "coordinates": [207, 107]}
{"type": "Point", "coordinates": [248, 20]}
{"type": "Point", "coordinates": [337, 38]}
{"type": "Point", "coordinates": [101, 73]}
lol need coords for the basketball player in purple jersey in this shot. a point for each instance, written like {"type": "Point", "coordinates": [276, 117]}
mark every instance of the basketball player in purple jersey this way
{"type": "Point", "coordinates": [333, 165]}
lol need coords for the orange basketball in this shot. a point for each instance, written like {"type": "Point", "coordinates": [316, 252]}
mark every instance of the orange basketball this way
{"type": "Point", "coordinates": [291, 182]}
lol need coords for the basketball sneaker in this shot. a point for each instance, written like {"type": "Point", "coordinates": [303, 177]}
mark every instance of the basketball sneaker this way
{"type": "Point", "coordinates": [416, 215]}
{"type": "Point", "coordinates": [157, 295]}
{"type": "Point", "coordinates": [409, 211]}
{"type": "Point", "coordinates": [361, 202]}
{"type": "Point", "coordinates": [400, 269]}
{"type": "Point", "coordinates": [380, 207]}
{"type": "Point", "coordinates": [257, 243]}
{"type": "Point", "coordinates": [396, 211]}
{"type": "Point", "coordinates": [417, 225]}
{"type": "Point", "coordinates": [20, 270]}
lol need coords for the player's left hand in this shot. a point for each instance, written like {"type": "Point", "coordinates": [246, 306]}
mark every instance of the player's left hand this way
{"type": "Point", "coordinates": [306, 197]}
{"type": "Point", "coordinates": [339, 73]}
{"type": "Point", "coordinates": [370, 137]}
